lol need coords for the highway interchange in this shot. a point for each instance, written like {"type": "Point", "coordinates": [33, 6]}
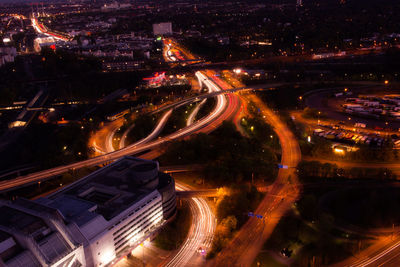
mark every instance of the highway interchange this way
{"type": "Point", "coordinates": [204, 124]}
{"type": "Point", "coordinates": [246, 244]}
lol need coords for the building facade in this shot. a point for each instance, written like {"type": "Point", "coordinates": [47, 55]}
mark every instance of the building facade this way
{"type": "Point", "coordinates": [92, 222]}
{"type": "Point", "coordinates": [164, 28]}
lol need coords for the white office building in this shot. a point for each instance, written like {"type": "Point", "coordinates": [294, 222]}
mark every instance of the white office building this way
{"type": "Point", "coordinates": [93, 222]}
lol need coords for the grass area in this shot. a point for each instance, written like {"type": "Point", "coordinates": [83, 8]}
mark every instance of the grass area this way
{"type": "Point", "coordinates": [264, 259]}
{"type": "Point", "coordinates": [174, 233]}
{"type": "Point", "coordinates": [314, 241]}
{"type": "Point", "coordinates": [206, 108]}
{"type": "Point", "coordinates": [144, 125]}
{"type": "Point", "coordinates": [365, 206]}
{"type": "Point", "coordinates": [231, 212]}
{"type": "Point", "coordinates": [178, 119]}
{"type": "Point", "coordinates": [326, 224]}
{"type": "Point", "coordinates": [228, 157]}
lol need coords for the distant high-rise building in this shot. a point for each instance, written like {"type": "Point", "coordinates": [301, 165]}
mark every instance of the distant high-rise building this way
{"type": "Point", "coordinates": [164, 28]}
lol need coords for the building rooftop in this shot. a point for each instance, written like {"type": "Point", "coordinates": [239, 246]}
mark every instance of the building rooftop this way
{"type": "Point", "coordinates": [4, 236]}
{"type": "Point", "coordinates": [24, 222]}
{"type": "Point", "coordinates": [72, 208]}
{"type": "Point", "coordinates": [21, 219]}
{"type": "Point", "coordinates": [108, 191]}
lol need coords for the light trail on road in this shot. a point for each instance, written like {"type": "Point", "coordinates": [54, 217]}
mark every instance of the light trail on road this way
{"type": "Point", "coordinates": [194, 113]}
{"type": "Point", "coordinates": [157, 130]}
{"type": "Point", "coordinates": [101, 140]}
{"type": "Point", "coordinates": [41, 29]}
{"type": "Point", "coordinates": [246, 244]}
{"type": "Point", "coordinates": [375, 258]}
{"type": "Point", "coordinates": [384, 252]}
{"type": "Point", "coordinates": [203, 222]}
{"type": "Point", "coordinates": [200, 233]}
{"type": "Point", "coordinates": [125, 136]}
{"type": "Point", "coordinates": [129, 150]}
{"type": "Point", "coordinates": [109, 142]}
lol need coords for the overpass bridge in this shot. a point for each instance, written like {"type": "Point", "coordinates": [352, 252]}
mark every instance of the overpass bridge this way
{"type": "Point", "coordinates": [133, 149]}
{"type": "Point", "coordinates": [181, 168]}
{"type": "Point", "coordinates": [199, 193]}
{"type": "Point", "coordinates": [23, 181]}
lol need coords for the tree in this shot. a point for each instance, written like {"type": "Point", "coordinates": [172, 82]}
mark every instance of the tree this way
{"type": "Point", "coordinates": [229, 224]}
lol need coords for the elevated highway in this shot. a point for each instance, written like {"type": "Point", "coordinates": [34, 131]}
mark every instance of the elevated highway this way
{"type": "Point", "coordinates": [205, 122]}
{"type": "Point", "coordinates": [198, 193]}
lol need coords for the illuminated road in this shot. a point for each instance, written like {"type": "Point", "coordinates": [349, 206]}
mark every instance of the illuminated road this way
{"type": "Point", "coordinates": [203, 221]}
{"type": "Point", "coordinates": [174, 52]}
{"type": "Point", "coordinates": [40, 28]}
{"type": "Point", "coordinates": [122, 142]}
{"type": "Point", "coordinates": [156, 131]}
{"type": "Point", "coordinates": [247, 243]}
{"type": "Point", "coordinates": [194, 113]}
{"type": "Point", "coordinates": [384, 252]}
{"type": "Point", "coordinates": [233, 107]}
{"type": "Point", "coordinates": [207, 123]}
{"type": "Point", "coordinates": [110, 137]}
{"type": "Point", "coordinates": [101, 141]}
{"type": "Point", "coordinates": [395, 167]}
{"type": "Point", "coordinates": [200, 234]}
